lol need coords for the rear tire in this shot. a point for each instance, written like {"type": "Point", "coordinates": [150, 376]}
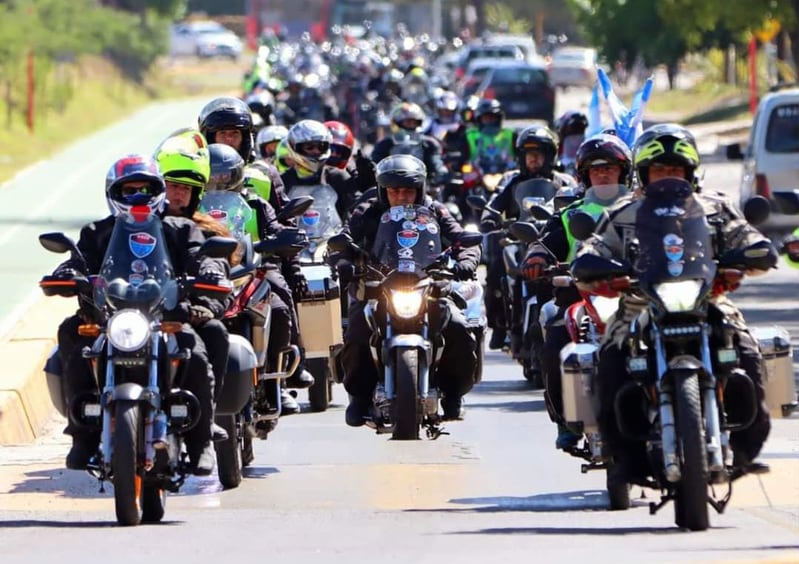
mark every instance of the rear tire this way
{"type": "Point", "coordinates": [690, 504]}
{"type": "Point", "coordinates": [618, 493]}
{"type": "Point", "coordinates": [319, 394]}
{"type": "Point", "coordinates": [228, 453]}
{"type": "Point", "coordinates": [405, 414]}
{"type": "Point", "coordinates": [127, 479]}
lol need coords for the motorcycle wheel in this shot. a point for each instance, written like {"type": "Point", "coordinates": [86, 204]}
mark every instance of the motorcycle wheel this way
{"type": "Point", "coordinates": [228, 453]}
{"type": "Point", "coordinates": [618, 493]}
{"type": "Point", "coordinates": [690, 503]}
{"type": "Point", "coordinates": [319, 394]}
{"type": "Point", "coordinates": [534, 376]}
{"type": "Point", "coordinates": [127, 479]}
{"type": "Point", "coordinates": [154, 496]}
{"type": "Point", "coordinates": [405, 415]}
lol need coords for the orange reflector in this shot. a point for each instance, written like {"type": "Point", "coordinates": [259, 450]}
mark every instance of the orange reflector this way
{"type": "Point", "coordinates": [255, 377]}
{"type": "Point", "coordinates": [55, 283]}
{"type": "Point", "coordinates": [171, 326]}
{"type": "Point", "coordinates": [89, 330]}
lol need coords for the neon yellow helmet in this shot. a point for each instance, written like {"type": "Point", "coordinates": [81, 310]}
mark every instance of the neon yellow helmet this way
{"type": "Point", "coordinates": [183, 157]}
{"type": "Point", "coordinates": [282, 160]}
{"type": "Point", "coordinates": [256, 181]}
{"type": "Point", "coordinates": [667, 143]}
{"type": "Point", "coordinates": [791, 243]}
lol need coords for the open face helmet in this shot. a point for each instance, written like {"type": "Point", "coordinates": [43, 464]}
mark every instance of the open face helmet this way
{"type": "Point", "coordinates": [268, 135]}
{"type": "Point", "coordinates": [134, 168]}
{"type": "Point", "coordinates": [228, 112]}
{"type": "Point", "coordinates": [183, 157]}
{"type": "Point", "coordinates": [308, 145]}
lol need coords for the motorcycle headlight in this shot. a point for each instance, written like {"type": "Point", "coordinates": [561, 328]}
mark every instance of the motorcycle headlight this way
{"type": "Point", "coordinates": [128, 330]}
{"type": "Point", "coordinates": [407, 303]}
{"type": "Point", "coordinates": [679, 296]}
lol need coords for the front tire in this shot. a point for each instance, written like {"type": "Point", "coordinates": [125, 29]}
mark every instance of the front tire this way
{"type": "Point", "coordinates": [690, 504]}
{"type": "Point", "coordinates": [405, 414]}
{"type": "Point", "coordinates": [128, 489]}
{"type": "Point", "coordinates": [319, 394]}
{"type": "Point", "coordinates": [228, 453]}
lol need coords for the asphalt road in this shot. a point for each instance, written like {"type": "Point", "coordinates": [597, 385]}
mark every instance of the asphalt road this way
{"type": "Point", "coordinates": [493, 489]}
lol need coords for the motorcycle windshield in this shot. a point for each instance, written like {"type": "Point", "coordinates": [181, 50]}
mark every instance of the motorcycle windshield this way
{"type": "Point", "coordinates": [136, 271]}
{"type": "Point", "coordinates": [674, 244]}
{"type": "Point", "coordinates": [230, 209]}
{"type": "Point", "coordinates": [408, 239]}
{"type": "Point", "coordinates": [320, 221]}
{"type": "Point", "coordinates": [537, 191]}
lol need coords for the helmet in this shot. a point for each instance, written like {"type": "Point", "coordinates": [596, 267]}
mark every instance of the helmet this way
{"type": "Point", "coordinates": [228, 113]}
{"type": "Point", "coordinates": [342, 144]}
{"type": "Point", "coordinates": [400, 170]}
{"type": "Point", "coordinates": [267, 135]}
{"type": "Point", "coordinates": [134, 168]}
{"type": "Point", "coordinates": [447, 102]}
{"type": "Point", "coordinates": [571, 123]}
{"type": "Point", "coordinates": [667, 143]}
{"type": "Point", "coordinates": [183, 157]}
{"type": "Point", "coordinates": [489, 107]}
{"type": "Point", "coordinates": [282, 159]}
{"type": "Point", "coordinates": [227, 168]}
{"type": "Point", "coordinates": [407, 111]}
{"type": "Point", "coordinates": [468, 109]}
{"type": "Point", "coordinates": [300, 136]}
{"type": "Point", "coordinates": [537, 138]}
{"type": "Point", "coordinates": [262, 104]}
{"type": "Point", "coordinates": [607, 148]}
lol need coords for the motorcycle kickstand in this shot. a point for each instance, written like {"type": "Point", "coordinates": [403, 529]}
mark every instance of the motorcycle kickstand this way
{"type": "Point", "coordinates": [655, 507]}
{"type": "Point", "coordinates": [720, 504]}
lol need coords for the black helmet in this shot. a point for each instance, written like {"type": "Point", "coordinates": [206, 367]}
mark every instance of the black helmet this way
{"type": "Point", "coordinates": [489, 107]}
{"type": "Point", "coordinates": [227, 169]}
{"type": "Point", "coordinates": [537, 138]}
{"type": "Point", "coordinates": [607, 148]}
{"type": "Point", "coordinates": [228, 113]}
{"type": "Point", "coordinates": [400, 171]}
{"type": "Point", "coordinates": [571, 123]}
{"type": "Point", "coordinates": [667, 143]}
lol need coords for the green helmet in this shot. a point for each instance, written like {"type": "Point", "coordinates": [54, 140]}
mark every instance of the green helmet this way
{"type": "Point", "coordinates": [183, 157]}
{"type": "Point", "coordinates": [281, 156]}
{"type": "Point", "coordinates": [667, 143]}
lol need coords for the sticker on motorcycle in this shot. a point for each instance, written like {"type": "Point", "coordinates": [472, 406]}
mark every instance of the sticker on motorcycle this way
{"type": "Point", "coordinates": [674, 246]}
{"type": "Point", "coordinates": [407, 238]}
{"type": "Point", "coordinates": [135, 279]}
{"type": "Point", "coordinates": [432, 228]}
{"type": "Point", "coordinates": [405, 253]}
{"type": "Point", "coordinates": [218, 215]}
{"type": "Point", "coordinates": [141, 244]}
{"type": "Point", "coordinates": [406, 266]}
{"type": "Point", "coordinates": [408, 225]}
{"type": "Point", "coordinates": [385, 218]}
{"type": "Point", "coordinates": [311, 217]}
{"type": "Point", "coordinates": [397, 213]}
{"type": "Point", "coordinates": [410, 213]}
{"type": "Point", "coordinates": [531, 201]}
{"type": "Point", "coordinates": [675, 267]}
{"type": "Point", "coordinates": [138, 266]}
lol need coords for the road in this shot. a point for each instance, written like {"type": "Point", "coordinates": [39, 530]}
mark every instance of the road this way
{"type": "Point", "coordinates": [494, 488]}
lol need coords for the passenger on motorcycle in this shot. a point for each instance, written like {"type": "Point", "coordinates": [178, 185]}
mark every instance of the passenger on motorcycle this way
{"type": "Point", "coordinates": [267, 140]}
{"type": "Point", "coordinates": [407, 138]}
{"type": "Point", "coordinates": [570, 128]}
{"type": "Point", "coordinates": [536, 149]}
{"type": "Point", "coordinates": [603, 165]}
{"type": "Point", "coordinates": [401, 181]}
{"type": "Point", "coordinates": [360, 168]}
{"type": "Point", "coordinates": [669, 151]}
{"type": "Point", "coordinates": [134, 180]}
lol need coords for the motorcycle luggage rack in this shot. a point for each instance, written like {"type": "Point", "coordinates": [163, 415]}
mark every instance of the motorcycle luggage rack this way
{"type": "Point", "coordinates": [295, 357]}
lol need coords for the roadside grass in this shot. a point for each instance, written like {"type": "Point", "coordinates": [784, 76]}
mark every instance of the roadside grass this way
{"type": "Point", "coordinates": [704, 102]}
{"type": "Point", "coordinates": [101, 96]}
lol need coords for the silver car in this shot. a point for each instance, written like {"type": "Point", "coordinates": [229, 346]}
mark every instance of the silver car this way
{"type": "Point", "coordinates": [573, 66]}
{"type": "Point", "coordinates": [204, 39]}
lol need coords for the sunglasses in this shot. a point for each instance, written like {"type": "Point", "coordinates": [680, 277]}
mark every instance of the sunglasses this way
{"type": "Point", "coordinates": [127, 191]}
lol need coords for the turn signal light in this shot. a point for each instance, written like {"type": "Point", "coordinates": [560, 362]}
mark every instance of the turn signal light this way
{"type": "Point", "coordinates": [89, 330]}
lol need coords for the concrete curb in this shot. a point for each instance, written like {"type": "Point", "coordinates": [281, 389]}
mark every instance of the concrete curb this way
{"type": "Point", "coordinates": [25, 406]}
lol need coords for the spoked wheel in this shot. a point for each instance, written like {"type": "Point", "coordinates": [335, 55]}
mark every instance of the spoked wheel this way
{"type": "Point", "coordinates": [690, 504]}
{"type": "Point", "coordinates": [127, 479]}
{"type": "Point", "coordinates": [228, 453]}
{"type": "Point", "coordinates": [405, 413]}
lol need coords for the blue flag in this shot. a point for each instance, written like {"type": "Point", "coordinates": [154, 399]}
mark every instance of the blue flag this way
{"type": "Point", "coordinates": [627, 122]}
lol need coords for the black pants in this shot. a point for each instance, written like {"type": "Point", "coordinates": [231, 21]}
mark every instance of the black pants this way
{"type": "Point", "coordinates": [217, 343]}
{"type": "Point", "coordinates": [198, 378]}
{"type": "Point", "coordinates": [613, 374]}
{"type": "Point", "coordinates": [495, 307]}
{"type": "Point", "coordinates": [456, 369]}
{"type": "Point", "coordinates": [280, 331]}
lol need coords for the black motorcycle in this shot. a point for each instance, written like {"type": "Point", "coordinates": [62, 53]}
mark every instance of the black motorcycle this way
{"type": "Point", "coordinates": [141, 411]}
{"type": "Point", "coordinates": [682, 361]}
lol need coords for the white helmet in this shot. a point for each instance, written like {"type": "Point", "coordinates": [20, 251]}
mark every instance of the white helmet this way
{"type": "Point", "coordinates": [302, 138]}
{"type": "Point", "coordinates": [269, 134]}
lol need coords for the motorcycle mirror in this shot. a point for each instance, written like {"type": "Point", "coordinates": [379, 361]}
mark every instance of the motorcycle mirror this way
{"type": "Point", "coordinates": [581, 225]}
{"type": "Point", "coordinates": [288, 241]}
{"type": "Point", "coordinates": [788, 201]}
{"type": "Point", "coordinates": [477, 203]}
{"type": "Point", "coordinates": [470, 239]}
{"type": "Point", "coordinates": [524, 231]}
{"type": "Point", "coordinates": [756, 210]}
{"type": "Point", "coordinates": [57, 243]}
{"type": "Point", "coordinates": [339, 242]}
{"type": "Point", "coordinates": [540, 213]}
{"type": "Point", "coordinates": [218, 247]}
{"type": "Point", "coordinates": [296, 207]}
{"type": "Point", "coordinates": [594, 267]}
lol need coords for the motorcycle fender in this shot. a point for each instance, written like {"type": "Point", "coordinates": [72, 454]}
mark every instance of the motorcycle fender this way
{"type": "Point", "coordinates": [55, 377]}
{"type": "Point", "coordinates": [683, 365]}
{"type": "Point", "coordinates": [128, 391]}
{"type": "Point", "coordinates": [406, 341]}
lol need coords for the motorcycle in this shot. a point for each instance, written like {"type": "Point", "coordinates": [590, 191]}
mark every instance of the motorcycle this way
{"type": "Point", "coordinates": [320, 309]}
{"type": "Point", "coordinates": [249, 397]}
{"type": "Point", "coordinates": [405, 314]}
{"type": "Point", "coordinates": [682, 360]}
{"type": "Point", "coordinates": [141, 411]}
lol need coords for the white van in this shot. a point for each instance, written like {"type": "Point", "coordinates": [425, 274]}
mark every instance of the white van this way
{"type": "Point", "coordinates": [771, 159]}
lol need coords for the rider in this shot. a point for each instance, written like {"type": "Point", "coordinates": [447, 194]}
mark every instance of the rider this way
{"type": "Point", "coordinates": [669, 151]}
{"type": "Point", "coordinates": [603, 167]}
{"type": "Point", "coordinates": [446, 117]}
{"type": "Point", "coordinates": [360, 168]}
{"type": "Point", "coordinates": [267, 140]}
{"type": "Point", "coordinates": [407, 138]}
{"type": "Point", "coordinates": [134, 180]}
{"type": "Point", "coordinates": [400, 182]}
{"type": "Point", "coordinates": [536, 147]}
{"type": "Point", "coordinates": [570, 128]}
{"type": "Point", "coordinates": [488, 143]}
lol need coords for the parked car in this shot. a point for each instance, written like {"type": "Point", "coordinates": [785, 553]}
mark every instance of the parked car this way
{"type": "Point", "coordinates": [523, 89]}
{"type": "Point", "coordinates": [475, 74]}
{"type": "Point", "coordinates": [573, 66]}
{"type": "Point", "coordinates": [474, 51]}
{"type": "Point", "coordinates": [204, 39]}
{"type": "Point", "coordinates": [771, 158]}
